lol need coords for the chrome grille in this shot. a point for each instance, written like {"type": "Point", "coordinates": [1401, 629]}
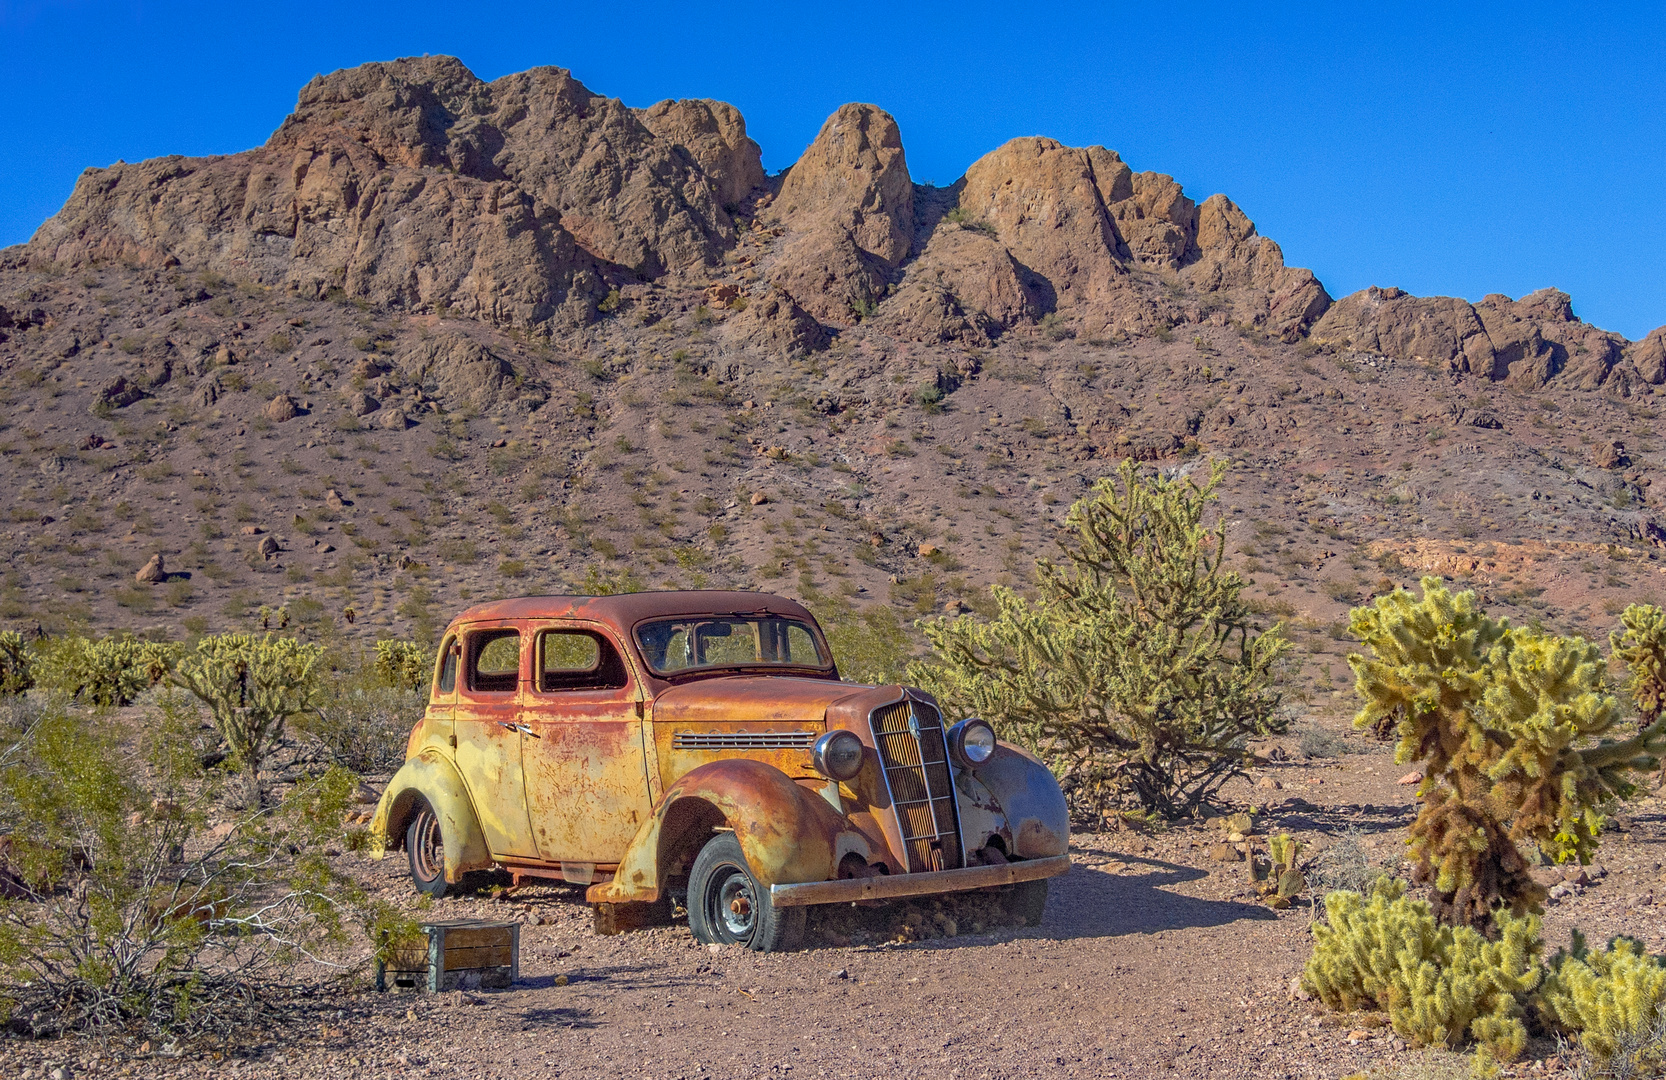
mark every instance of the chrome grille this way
{"type": "Point", "coordinates": [915, 757]}
{"type": "Point", "coordinates": [743, 740]}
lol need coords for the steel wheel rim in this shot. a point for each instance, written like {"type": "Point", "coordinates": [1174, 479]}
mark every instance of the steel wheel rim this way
{"type": "Point", "coordinates": [429, 852]}
{"type": "Point", "coordinates": [734, 905]}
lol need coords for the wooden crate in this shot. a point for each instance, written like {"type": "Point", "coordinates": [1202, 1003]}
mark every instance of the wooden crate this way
{"type": "Point", "coordinates": [459, 954]}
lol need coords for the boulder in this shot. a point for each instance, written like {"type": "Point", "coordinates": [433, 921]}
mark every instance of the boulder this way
{"type": "Point", "coordinates": [393, 420]}
{"type": "Point", "coordinates": [119, 393]}
{"type": "Point", "coordinates": [268, 546]}
{"type": "Point", "coordinates": [362, 404]}
{"type": "Point", "coordinates": [153, 572]}
{"type": "Point", "coordinates": [1439, 329]}
{"type": "Point", "coordinates": [281, 408]}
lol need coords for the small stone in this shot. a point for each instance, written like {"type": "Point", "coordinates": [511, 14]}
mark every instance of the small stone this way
{"type": "Point", "coordinates": [759, 498]}
{"type": "Point", "coordinates": [1410, 778]}
{"type": "Point", "coordinates": [333, 499]}
{"type": "Point", "coordinates": [1225, 853]}
{"type": "Point", "coordinates": [1267, 783]}
{"type": "Point", "coordinates": [842, 973]}
{"type": "Point", "coordinates": [927, 550]}
{"type": "Point", "coordinates": [498, 444]}
{"type": "Point", "coordinates": [252, 530]}
{"type": "Point", "coordinates": [1358, 1035]}
{"type": "Point", "coordinates": [152, 573]}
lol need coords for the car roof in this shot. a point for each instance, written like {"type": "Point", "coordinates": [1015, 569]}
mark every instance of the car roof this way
{"type": "Point", "coordinates": [628, 609]}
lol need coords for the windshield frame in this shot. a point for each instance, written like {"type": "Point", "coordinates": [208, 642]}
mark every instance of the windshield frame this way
{"type": "Point", "coordinates": [817, 638]}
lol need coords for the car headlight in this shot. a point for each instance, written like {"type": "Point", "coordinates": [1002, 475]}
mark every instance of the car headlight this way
{"type": "Point", "coordinates": [971, 742]}
{"type": "Point", "coordinates": [837, 755]}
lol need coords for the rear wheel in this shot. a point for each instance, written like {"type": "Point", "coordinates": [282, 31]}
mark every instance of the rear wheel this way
{"type": "Point", "coordinates": [727, 905]}
{"type": "Point", "coordinates": [425, 850]}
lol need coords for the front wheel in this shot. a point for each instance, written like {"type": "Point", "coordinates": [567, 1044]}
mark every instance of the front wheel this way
{"type": "Point", "coordinates": [727, 905]}
{"type": "Point", "coordinates": [425, 850]}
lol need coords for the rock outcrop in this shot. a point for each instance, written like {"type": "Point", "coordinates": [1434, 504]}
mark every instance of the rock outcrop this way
{"type": "Point", "coordinates": [1041, 227]}
{"type": "Point", "coordinates": [1526, 342]}
{"type": "Point", "coordinates": [848, 205]}
{"type": "Point", "coordinates": [714, 134]}
{"type": "Point", "coordinates": [460, 371]}
{"type": "Point", "coordinates": [413, 184]}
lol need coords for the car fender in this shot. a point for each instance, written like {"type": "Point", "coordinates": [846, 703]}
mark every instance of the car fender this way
{"type": "Point", "coordinates": [1015, 796]}
{"type": "Point", "coordinates": [788, 833]}
{"type": "Point", "coordinates": [431, 777]}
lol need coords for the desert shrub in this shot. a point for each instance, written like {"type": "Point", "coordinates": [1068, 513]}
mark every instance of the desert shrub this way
{"type": "Point", "coordinates": [16, 666]}
{"type": "Point", "coordinates": [1316, 742]}
{"type": "Point", "coordinates": [869, 645]}
{"type": "Point", "coordinates": [102, 672]}
{"type": "Point", "coordinates": [1346, 865]}
{"type": "Point", "coordinates": [362, 723]}
{"type": "Point", "coordinates": [1137, 672]}
{"type": "Point", "coordinates": [1509, 723]}
{"type": "Point", "coordinates": [127, 914]}
{"type": "Point", "coordinates": [404, 665]}
{"type": "Point", "coordinates": [251, 686]}
{"type": "Point", "coordinates": [1613, 998]}
{"type": "Point", "coordinates": [1439, 984]}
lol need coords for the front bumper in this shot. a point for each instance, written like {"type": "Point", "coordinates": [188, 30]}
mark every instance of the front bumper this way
{"type": "Point", "coordinates": [924, 884]}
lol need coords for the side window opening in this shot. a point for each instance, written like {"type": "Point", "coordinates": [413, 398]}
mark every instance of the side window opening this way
{"type": "Point", "coordinates": [578, 660]}
{"type": "Point", "coordinates": [494, 661]}
{"type": "Point", "coordinates": [448, 668]}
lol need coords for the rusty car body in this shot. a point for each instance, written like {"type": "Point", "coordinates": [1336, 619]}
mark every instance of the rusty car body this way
{"type": "Point", "coordinates": [700, 746]}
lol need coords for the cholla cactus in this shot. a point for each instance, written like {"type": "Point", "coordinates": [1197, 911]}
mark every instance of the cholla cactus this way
{"type": "Point", "coordinates": [102, 672]}
{"type": "Point", "coordinates": [404, 665]}
{"type": "Point", "coordinates": [1439, 984]}
{"type": "Point", "coordinates": [15, 674]}
{"type": "Point", "coordinates": [1138, 671]}
{"type": "Point", "coordinates": [252, 686]}
{"type": "Point", "coordinates": [1510, 724]}
{"type": "Point", "coordinates": [1609, 997]}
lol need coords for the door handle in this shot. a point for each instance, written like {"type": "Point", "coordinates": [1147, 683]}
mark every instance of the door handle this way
{"type": "Point", "coordinates": [522, 728]}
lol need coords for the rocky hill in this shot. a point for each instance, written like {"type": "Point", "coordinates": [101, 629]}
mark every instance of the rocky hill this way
{"type": "Point", "coordinates": [440, 339]}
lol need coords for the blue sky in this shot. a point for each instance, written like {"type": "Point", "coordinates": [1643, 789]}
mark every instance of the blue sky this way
{"type": "Point", "coordinates": [1452, 148]}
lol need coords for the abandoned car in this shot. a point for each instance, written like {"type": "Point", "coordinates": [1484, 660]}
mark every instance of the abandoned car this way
{"type": "Point", "coordinates": [701, 747]}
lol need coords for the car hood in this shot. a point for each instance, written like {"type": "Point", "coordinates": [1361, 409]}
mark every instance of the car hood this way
{"type": "Point", "coordinates": [743, 698]}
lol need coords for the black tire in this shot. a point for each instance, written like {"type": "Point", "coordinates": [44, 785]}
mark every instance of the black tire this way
{"type": "Point", "coordinates": [1027, 901]}
{"type": "Point", "coordinates": [425, 851]}
{"type": "Point", "coordinates": [728, 906]}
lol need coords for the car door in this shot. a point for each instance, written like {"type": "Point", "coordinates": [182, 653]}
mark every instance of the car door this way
{"type": "Point", "coordinates": [489, 750]}
{"type": "Point", "coordinates": [586, 764]}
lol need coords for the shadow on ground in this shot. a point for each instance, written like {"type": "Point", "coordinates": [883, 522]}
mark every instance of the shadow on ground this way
{"type": "Point", "coordinates": [1091, 903]}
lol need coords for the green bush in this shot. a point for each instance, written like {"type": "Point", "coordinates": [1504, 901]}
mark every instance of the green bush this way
{"type": "Point", "coordinates": [1439, 984]}
{"type": "Point", "coordinates": [252, 686]}
{"type": "Point", "coordinates": [1137, 672]}
{"type": "Point", "coordinates": [1612, 999]}
{"type": "Point", "coordinates": [104, 672]}
{"type": "Point", "coordinates": [1510, 725]}
{"type": "Point", "coordinates": [869, 645]}
{"type": "Point", "coordinates": [16, 664]}
{"type": "Point", "coordinates": [128, 914]}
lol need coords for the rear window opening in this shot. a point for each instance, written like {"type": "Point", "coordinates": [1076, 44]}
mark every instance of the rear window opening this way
{"type": "Point", "coordinates": [578, 660]}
